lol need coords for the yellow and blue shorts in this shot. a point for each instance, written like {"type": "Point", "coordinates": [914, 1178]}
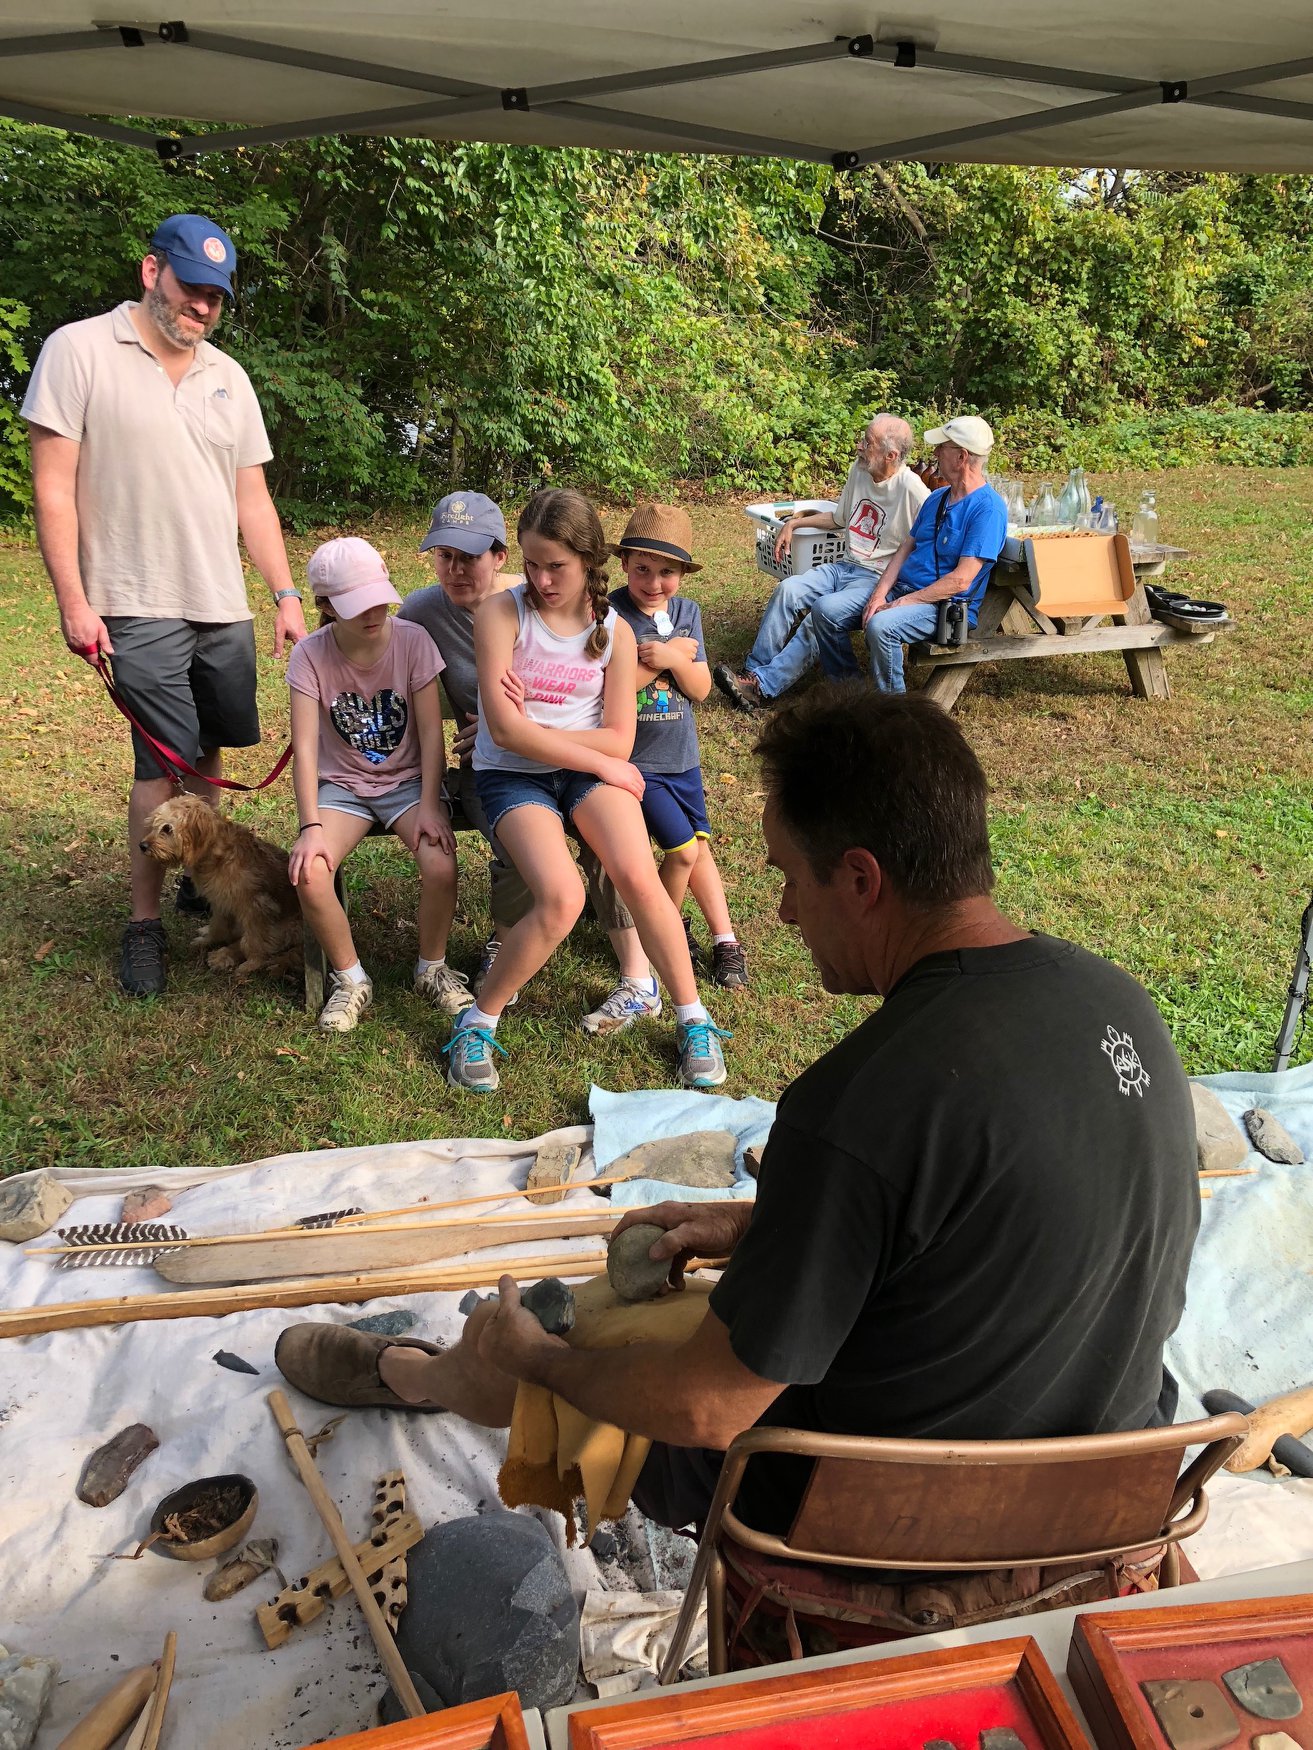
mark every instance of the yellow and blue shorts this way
{"type": "Point", "coordinates": [675, 808]}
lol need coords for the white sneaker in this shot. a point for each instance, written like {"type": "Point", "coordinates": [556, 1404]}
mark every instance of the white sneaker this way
{"type": "Point", "coordinates": [347, 1002]}
{"type": "Point", "coordinates": [445, 989]}
{"type": "Point", "coordinates": [627, 1003]}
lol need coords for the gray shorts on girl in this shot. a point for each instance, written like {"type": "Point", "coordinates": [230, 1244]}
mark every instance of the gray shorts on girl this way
{"type": "Point", "coordinates": [382, 810]}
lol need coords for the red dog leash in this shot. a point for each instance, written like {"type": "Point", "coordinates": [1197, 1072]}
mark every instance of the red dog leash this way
{"type": "Point", "coordinates": [171, 764]}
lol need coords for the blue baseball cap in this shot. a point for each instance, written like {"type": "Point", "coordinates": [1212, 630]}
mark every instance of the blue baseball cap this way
{"type": "Point", "coordinates": [468, 521]}
{"type": "Point", "coordinates": [197, 251]}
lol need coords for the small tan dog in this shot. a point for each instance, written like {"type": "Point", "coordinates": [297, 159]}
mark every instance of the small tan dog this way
{"type": "Point", "coordinates": [255, 921]}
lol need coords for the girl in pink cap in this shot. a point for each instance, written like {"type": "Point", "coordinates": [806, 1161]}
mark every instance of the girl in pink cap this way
{"type": "Point", "coordinates": [367, 746]}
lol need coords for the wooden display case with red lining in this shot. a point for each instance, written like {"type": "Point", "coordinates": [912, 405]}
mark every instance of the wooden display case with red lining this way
{"type": "Point", "coordinates": [899, 1704]}
{"type": "Point", "coordinates": [1111, 1655]}
{"type": "Point", "coordinates": [494, 1724]}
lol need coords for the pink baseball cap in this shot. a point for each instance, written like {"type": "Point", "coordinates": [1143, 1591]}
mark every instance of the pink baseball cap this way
{"type": "Point", "coordinates": [352, 575]}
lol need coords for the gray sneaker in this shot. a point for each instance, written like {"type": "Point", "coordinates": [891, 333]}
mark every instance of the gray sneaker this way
{"type": "Point", "coordinates": [491, 948]}
{"type": "Point", "coordinates": [701, 1061]}
{"type": "Point", "coordinates": [627, 1003]}
{"type": "Point", "coordinates": [347, 1002]}
{"type": "Point", "coordinates": [469, 1059]}
{"type": "Point", "coordinates": [445, 989]}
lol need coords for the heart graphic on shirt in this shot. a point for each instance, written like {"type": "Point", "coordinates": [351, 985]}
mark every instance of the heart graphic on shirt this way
{"type": "Point", "coordinates": [373, 727]}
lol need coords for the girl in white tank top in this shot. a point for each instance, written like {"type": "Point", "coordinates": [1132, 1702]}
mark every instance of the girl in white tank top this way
{"type": "Point", "coordinates": [557, 714]}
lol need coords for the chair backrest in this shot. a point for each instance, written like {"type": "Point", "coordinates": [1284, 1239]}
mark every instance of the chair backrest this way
{"type": "Point", "coordinates": [939, 1505]}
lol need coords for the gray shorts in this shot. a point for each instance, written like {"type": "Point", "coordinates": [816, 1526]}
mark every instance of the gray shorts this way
{"type": "Point", "coordinates": [382, 810]}
{"type": "Point", "coordinates": [189, 682]}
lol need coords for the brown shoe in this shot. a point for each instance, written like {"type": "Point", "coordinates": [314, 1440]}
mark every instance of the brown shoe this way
{"type": "Point", "coordinates": [742, 690]}
{"type": "Point", "coordinates": [338, 1365]}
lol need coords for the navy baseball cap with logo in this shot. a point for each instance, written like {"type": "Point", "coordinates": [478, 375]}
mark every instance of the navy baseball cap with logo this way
{"type": "Point", "coordinates": [197, 251]}
{"type": "Point", "coordinates": [467, 521]}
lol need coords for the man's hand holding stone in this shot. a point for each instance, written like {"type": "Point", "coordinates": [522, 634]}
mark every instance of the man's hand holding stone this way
{"type": "Point", "coordinates": [693, 1230]}
{"type": "Point", "coordinates": [509, 1338]}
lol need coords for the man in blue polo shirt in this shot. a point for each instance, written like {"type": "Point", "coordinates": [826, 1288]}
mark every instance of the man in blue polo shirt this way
{"type": "Point", "coordinates": [948, 555]}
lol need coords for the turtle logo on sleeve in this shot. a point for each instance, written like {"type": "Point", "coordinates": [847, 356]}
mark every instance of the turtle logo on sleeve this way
{"type": "Point", "coordinates": [1132, 1076]}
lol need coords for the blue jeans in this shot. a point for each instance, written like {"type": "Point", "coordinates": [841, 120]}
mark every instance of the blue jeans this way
{"type": "Point", "coordinates": [836, 617]}
{"type": "Point", "coordinates": [778, 659]}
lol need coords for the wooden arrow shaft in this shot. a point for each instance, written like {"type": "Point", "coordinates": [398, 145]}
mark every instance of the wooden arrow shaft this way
{"type": "Point", "coordinates": [128, 1309]}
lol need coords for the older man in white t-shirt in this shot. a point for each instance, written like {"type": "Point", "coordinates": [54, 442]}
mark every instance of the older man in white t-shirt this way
{"type": "Point", "coordinates": [876, 510]}
{"type": "Point", "coordinates": [148, 453]}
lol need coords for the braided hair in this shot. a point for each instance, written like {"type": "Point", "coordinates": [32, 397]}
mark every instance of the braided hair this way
{"type": "Point", "coordinates": [558, 514]}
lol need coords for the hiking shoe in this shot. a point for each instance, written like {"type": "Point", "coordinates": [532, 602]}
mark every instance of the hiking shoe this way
{"type": "Point", "coordinates": [187, 901]}
{"type": "Point", "coordinates": [742, 690]}
{"type": "Point", "coordinates": [469, 1060]}
{"type": "Point", "coordinates": [445, 989]}
{"type": "Point", "coordinates": [491, 949]}
{"type": "Point", "coordinates": [627, 1003]}
{"type": "Point", "coordinates": [335, 1364]}
{"type": "Point", "coordinates": [347, 1002]}
{"type": "Point", "coordinates": [729, 965]}
{"type": "Point", "coordinates": [701, 1061]}
{"type": "Point", "coordinates": [143, 964]}
{"type": "Point", "coordinates": [696, 952]}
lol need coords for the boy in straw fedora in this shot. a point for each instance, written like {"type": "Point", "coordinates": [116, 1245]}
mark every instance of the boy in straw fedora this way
{"type": "Point", "coordinates": [672, 676]}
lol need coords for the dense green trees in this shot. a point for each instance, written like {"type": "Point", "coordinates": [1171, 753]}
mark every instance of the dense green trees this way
{"type": "Point", "coordinates": [414, 314]}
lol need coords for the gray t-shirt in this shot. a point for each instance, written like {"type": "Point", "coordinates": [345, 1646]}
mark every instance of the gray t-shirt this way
{"type": "Point", "coordinates": [667, 738]}
{"type": "Point", "coordinates": [452, 630]}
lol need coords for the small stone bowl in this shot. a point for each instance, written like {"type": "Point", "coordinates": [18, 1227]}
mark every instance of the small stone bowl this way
{"type": "Point", "coordinates": [219, 1542]}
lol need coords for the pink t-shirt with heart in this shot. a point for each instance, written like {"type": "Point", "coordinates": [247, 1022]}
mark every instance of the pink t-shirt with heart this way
{"type": "Point", "coordinates": [368, 741]}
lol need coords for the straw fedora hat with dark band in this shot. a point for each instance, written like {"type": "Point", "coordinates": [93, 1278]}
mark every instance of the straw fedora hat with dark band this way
{"type": "Point", "coordinates": [659, 528]}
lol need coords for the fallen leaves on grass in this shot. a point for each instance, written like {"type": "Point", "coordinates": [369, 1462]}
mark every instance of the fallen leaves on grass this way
{"type": "Point", "coordinates": [43, 950]}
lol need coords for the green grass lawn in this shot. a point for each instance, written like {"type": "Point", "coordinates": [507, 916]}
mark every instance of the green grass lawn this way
{"type": "Point", "coordinates": [1174, 837]}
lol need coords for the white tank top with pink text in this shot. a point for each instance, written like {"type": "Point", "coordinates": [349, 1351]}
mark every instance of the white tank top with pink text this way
{"type": "Point", "coordinates": [562, 683]}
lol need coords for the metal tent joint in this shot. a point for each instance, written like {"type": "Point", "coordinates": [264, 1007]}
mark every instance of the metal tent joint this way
{"type": "Point", "coordinates": [515, 97]}
{"type": "Point", "coordinates": [860, 47]}
{"type": "Point", "coordinates": [1175, 91]}
{"type": "Point", "coordinates": [905, 55]}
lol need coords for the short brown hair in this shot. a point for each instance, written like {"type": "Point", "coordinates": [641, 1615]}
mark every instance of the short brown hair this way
{"type": "Point", "coordinates": [847, 767]}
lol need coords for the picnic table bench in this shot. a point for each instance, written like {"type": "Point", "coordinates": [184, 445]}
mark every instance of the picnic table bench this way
{"type": "Point", "coordinates": [1053, 592]}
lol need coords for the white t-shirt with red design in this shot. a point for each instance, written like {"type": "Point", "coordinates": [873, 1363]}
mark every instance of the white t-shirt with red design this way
{"type": "Point", "coordinates": [877, 518]}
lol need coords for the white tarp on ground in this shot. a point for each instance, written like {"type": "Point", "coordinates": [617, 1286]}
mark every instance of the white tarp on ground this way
{"type": "Point", "coordinates": [1008, 81]}
{"type": "Point", "coordinates": [62, 1395]}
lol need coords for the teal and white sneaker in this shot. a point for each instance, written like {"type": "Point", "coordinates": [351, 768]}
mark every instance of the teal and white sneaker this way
{"type": "Point", "coordinates": [469, 1061]}
{"type": "Point", "coordinates": [701, 1061]}
{"type": "Point", "coordinates": [627, 1003]}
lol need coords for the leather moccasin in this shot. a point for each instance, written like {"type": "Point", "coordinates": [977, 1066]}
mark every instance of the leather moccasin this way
{"type": "Point", "coordinates": [335, 1364]}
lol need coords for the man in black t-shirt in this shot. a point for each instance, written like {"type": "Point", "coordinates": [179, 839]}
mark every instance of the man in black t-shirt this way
{"type": "Point", "coordinates": [975, 1213]}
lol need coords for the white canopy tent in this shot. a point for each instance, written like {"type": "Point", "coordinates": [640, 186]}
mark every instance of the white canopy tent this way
{"type": "Point", "coordinates": [1209, 86]}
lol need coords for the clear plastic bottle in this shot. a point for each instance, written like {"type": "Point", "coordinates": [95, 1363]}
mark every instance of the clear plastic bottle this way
{"type": "Point", "coordinates": [1044, 506]}
{"type": "Point", "coordinates": [1144, 525]}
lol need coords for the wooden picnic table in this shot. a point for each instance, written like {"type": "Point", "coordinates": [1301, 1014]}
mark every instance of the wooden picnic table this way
{"type": "Point", "coordinates": [1012, 625]}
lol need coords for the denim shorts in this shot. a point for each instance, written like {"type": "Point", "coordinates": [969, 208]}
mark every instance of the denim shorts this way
{"type": "Point", "coordinates": [382, 810]}
{"type": "Point", "coordinates": [562, 792]}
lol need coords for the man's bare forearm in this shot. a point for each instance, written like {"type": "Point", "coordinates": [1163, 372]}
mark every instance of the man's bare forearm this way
{"type": "Point", "coordinates": [643, 1388]}
{"type": "Point", "coordinates": [263, 534]}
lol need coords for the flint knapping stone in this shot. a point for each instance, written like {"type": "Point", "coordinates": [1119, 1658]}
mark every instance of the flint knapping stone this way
{"type": "Point", "coordinates": [392, 1713]}
{"type": "Point", "coordinates": [1271, 1138]}
{"type": "Point", "coordinates": [25, 1685]}
{"type": "Point", "coordinates": [632, 1274]}
{"type": "Point", "coordinates": [31, 1207]}
{"type": "Point", "coordinates": [1274, 1741]}
{"type": "Point", "coordinates": [490, 1610]}
{"type": "Point", "coordinates": [1264, 1688]}
{"type": "Point", "coordinates": [704, 1157]}
{"type": "Point", "coordinates": [552, 1304]}
{"type": "Point", "coordinates": [105, 1474]}
{"type": "Point", "coordinates": [556, 1163]}
{"type": "Point", "coordinates": [1219, 1140]}
{"type": "Point", "coordinates": [388, 1324]}
{"type": "Point", "coordinates": [148, 1204]}
{"type": "Point", "coordinates": [1000, 1738]}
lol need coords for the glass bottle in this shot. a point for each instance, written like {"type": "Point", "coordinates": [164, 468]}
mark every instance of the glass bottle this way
{"type": "Point", "coordinates": [1144, 525]}
{"type": "Point", "coordinates": [1044, 506]}
{"type": "Point", "coordinates": [1075, 499]}
{"type": "Point", "coordinates": [1107, 523]}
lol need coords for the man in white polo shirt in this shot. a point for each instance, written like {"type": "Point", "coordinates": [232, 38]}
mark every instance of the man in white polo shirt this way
{"type": "Point", "coordinates": [878, 504]}
{"type": "Point", "coordinates": [148, 453]}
